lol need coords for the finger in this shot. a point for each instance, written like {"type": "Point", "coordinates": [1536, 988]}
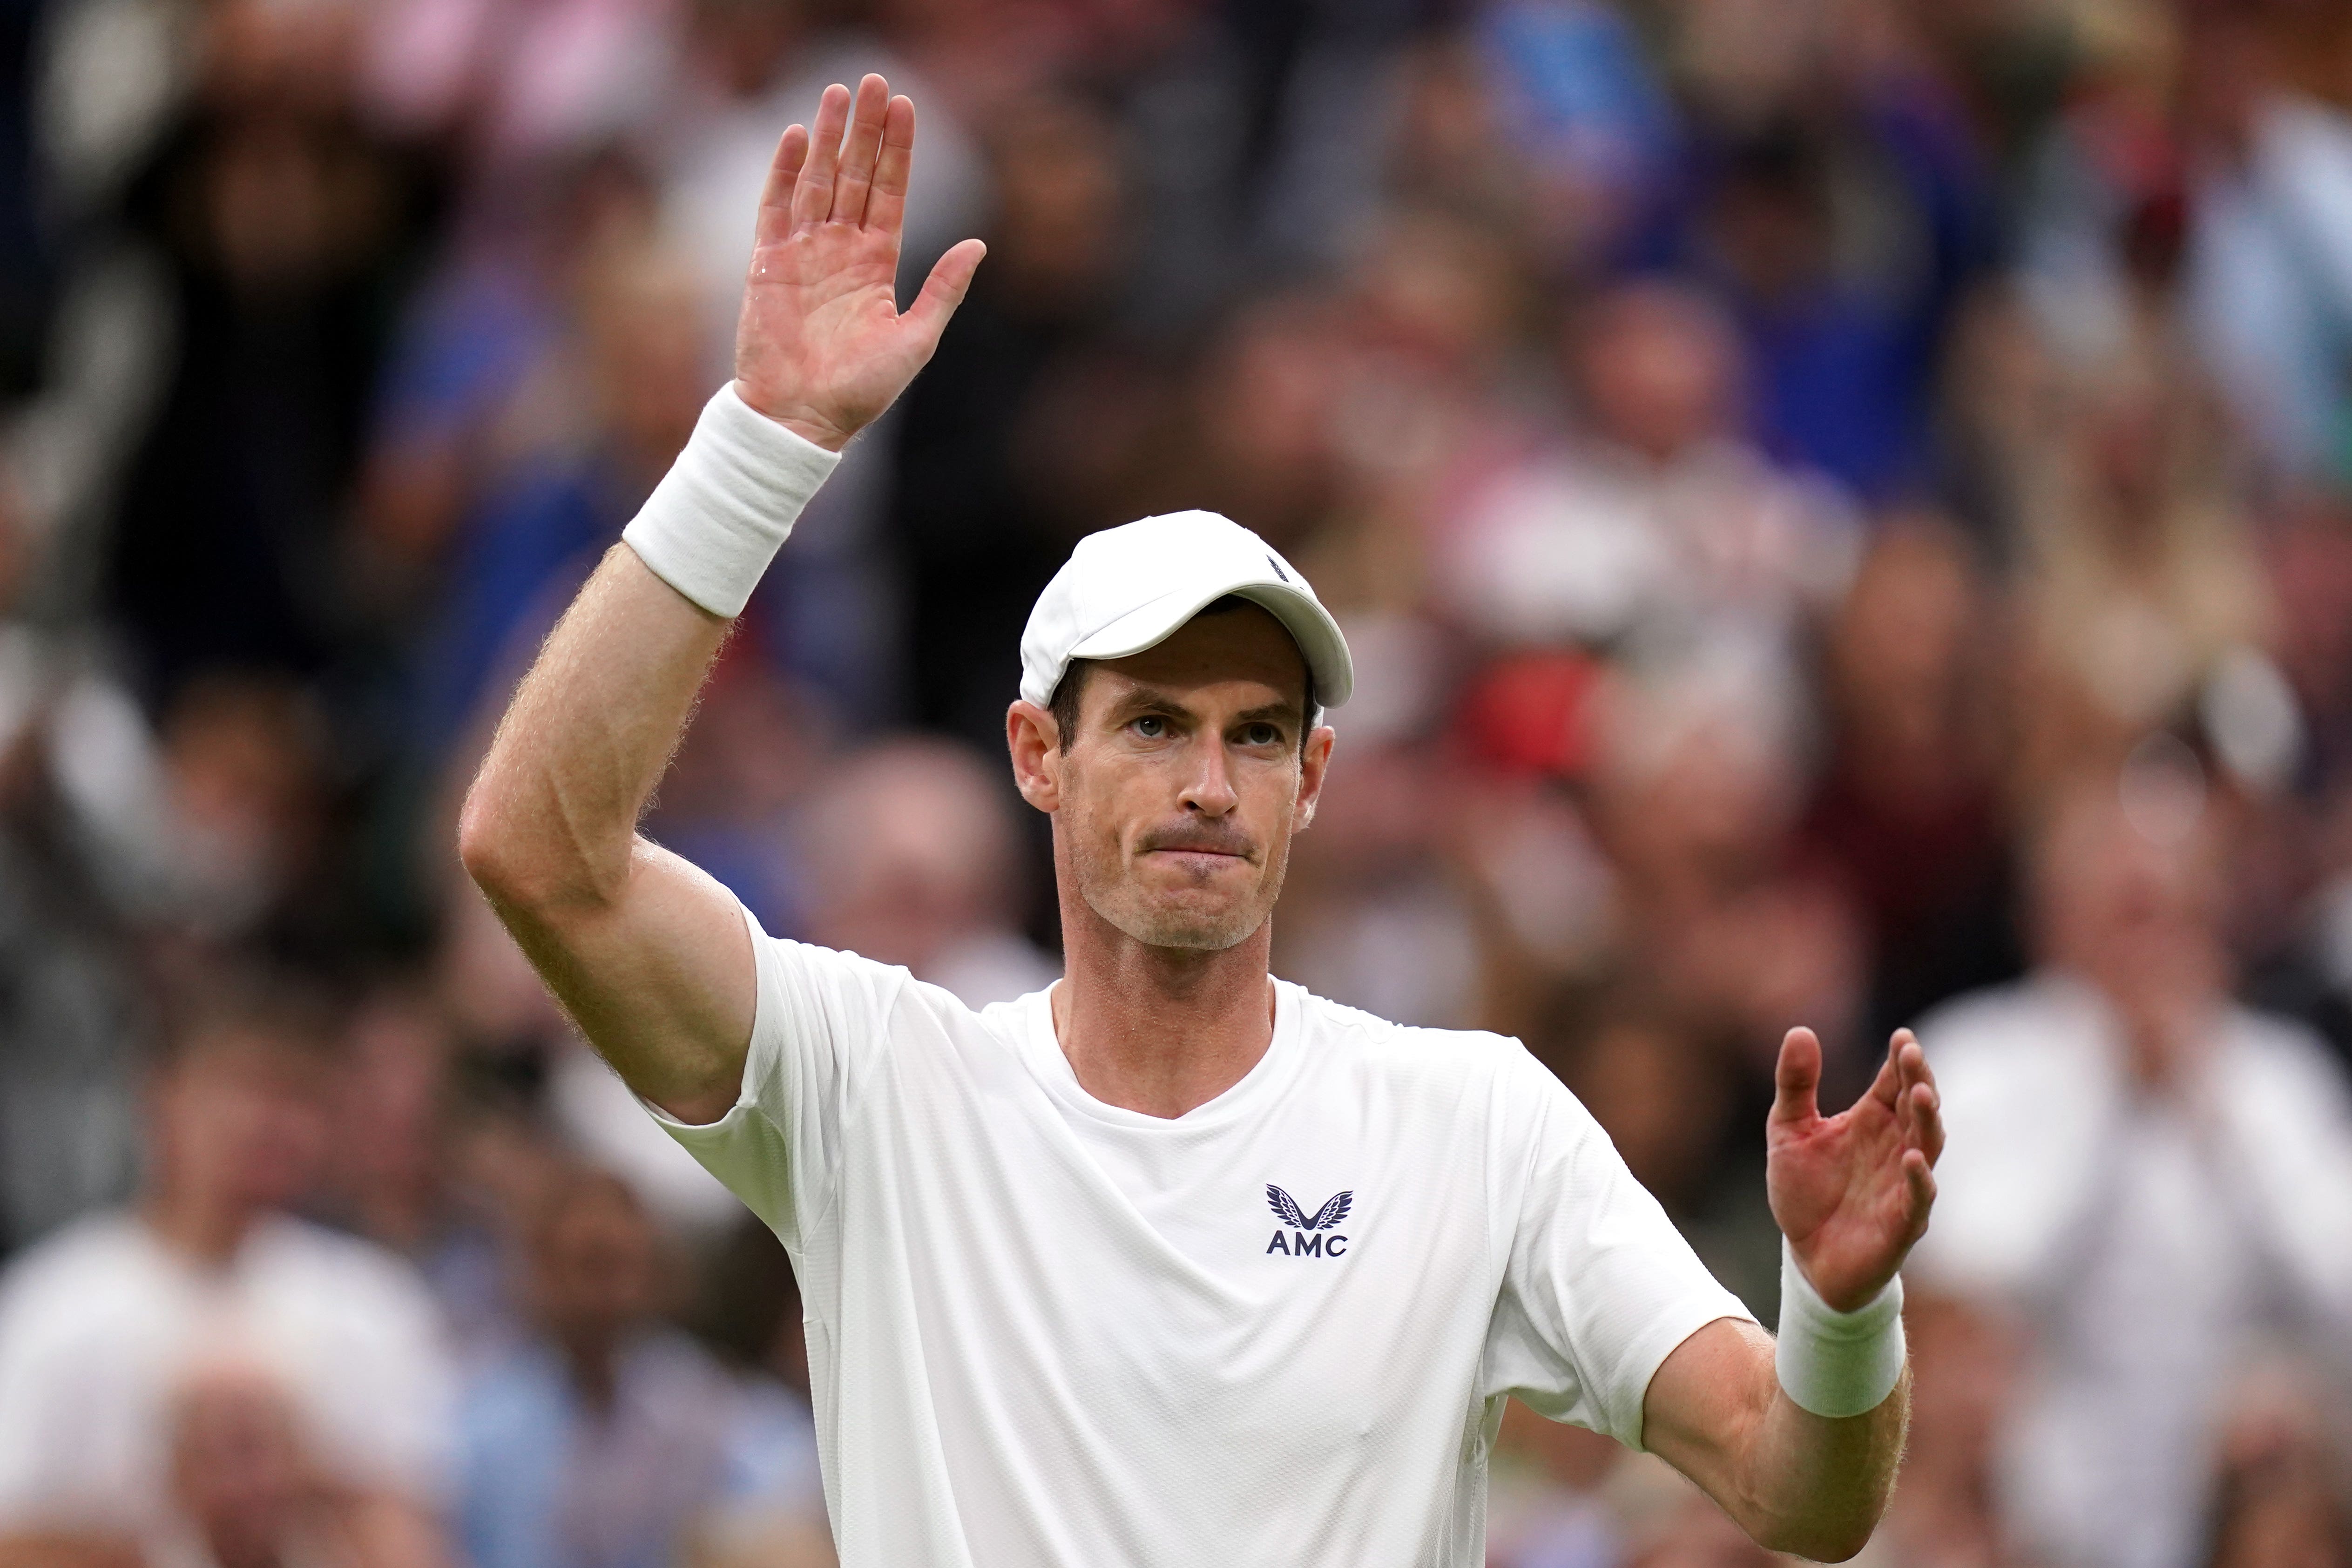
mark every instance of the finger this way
{"type": "Point", "coordinates": [776, 196]}
{"type": "Point", "coordinates": [1927, 1122]}
{"type": "Point", "coordinates": [1797, 1078]}
{"type": "Point", "coordinates": [1920, 1196]}
{"type": "Point", "coordinates": [813, 193]}
{"type": "Point", "coordinates": [885, 204]}
{"type": "Point", "coordinates": [943, 291]}
{"type": "Point", "coordinates": [1886, 1088]}
{"type": "Point", "coordinates": [858, 152]}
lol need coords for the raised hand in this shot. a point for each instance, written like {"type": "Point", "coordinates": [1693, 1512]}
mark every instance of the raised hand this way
{"type": "Point", "coordinates": [1852, 1191]}
{"type": "Point", "coordinates": [822, 347]}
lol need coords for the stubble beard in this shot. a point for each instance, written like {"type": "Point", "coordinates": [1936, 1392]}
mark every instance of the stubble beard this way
{"type": "Point", "coordinates": [1107, 883]}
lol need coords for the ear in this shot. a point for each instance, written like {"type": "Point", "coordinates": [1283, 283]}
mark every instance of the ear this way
{"type": "Point", "coordinates": [1313, 765]}
{"type": "Point", "coordinates": [1035, 740]}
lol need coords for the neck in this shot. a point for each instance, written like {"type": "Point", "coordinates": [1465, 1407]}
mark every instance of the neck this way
{"type": "Point", "coordinates": [1158, 1031]}
{"type": "Point", "coordinates": [205, 1231]}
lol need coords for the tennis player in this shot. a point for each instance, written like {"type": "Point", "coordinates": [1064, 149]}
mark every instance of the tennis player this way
{"type": "Point", "coordinates": [1172, 1263]}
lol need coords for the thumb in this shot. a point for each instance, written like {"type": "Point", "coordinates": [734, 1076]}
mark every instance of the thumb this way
{"type": "Point", "coordinates": [1796, 1078]}
{"type": "Point", "coordinates": [943, 291]}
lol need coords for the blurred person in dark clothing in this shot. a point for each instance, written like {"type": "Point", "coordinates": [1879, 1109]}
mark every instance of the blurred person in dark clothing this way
{"type": "Point", "coordinates": [285, 228]}
{"type": "Point", "coordinates": [101, 1322]}
{"type": "Point", "coordinates": [977, 537]}
{"type": "Point", "coordinates": [2145, 1176]}
{"type": "Point", "coordinates": [1842, 203]}
{"type": "Point", "coordinates": [606, 1439]}
{"type": "Point", "coordinates": [403, 1167]}
{"type": "Point", "coordinates": [629, 394]}
{"type": "Point", "coordinates": [1906, 814]}
{"type": "Point", "coordinates": [480, 367]}
{"type": "Point", "coordinates": [87, 858]}
{"type": "Point", "coordinates": [244, 758]}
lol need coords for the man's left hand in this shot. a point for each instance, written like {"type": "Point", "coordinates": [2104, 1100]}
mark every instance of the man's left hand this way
{"type": "Point", "coordinates": [1852, 1191]}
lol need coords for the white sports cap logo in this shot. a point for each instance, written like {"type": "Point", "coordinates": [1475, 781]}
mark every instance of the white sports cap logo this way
{"type": "Point", "coordinates": [1128, 588]}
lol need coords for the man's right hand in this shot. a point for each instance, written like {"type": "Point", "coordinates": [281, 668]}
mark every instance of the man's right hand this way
{"type": "Point", "coordinates": [822, 347]}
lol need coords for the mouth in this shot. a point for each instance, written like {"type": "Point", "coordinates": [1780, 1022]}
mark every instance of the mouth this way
{"type": "Point", "coordinates": [1199, 859]}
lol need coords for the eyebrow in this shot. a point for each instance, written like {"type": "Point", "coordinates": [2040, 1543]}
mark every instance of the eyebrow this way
{"type": "Point", "coordinates": [1142, 697]}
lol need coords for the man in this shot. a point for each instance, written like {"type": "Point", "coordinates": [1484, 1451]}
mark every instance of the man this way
{"type": "Point", "coordinates": [1171, 1262]}
{"type": "Point", "coordinates": [106, 1327]}
{"type": "Point", "coordinates": [2152, 1182]}
{"type": "Point", "coordinates": [601, 1441]}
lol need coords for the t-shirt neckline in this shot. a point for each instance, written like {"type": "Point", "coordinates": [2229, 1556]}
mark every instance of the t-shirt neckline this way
{"type": "Point", "coordinates": [1264, 1080]}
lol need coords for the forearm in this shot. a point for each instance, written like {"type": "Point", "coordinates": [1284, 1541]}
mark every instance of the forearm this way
{"type": "Point", "coordinates": [1794, 1482]}
{"type": "Point", "coordinates": [66, 1548]}
{"type": "Point", "coordinates": [549, 825]}
{"type": "Point", "coordinates": [1817, 1486]}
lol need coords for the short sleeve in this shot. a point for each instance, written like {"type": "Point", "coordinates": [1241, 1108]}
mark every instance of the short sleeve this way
{"type": "Point", "coordinates": [1599, 1288]}
{"type": "Point", "coordinates": [820, 1019]}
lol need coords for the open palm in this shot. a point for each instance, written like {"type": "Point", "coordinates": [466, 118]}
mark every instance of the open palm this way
{"type": "Point", "coordinates": [822, 346]}
{"type": "Point", "coordinates": [1852, 1191]}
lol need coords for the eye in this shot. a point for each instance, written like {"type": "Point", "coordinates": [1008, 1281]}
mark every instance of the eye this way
{"type": "Point", "coordinates": [1151, 726]}
{"type": "Point", "coordinates": [1262, 734]}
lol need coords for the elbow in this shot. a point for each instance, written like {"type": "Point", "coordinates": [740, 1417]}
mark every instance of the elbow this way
{"type": "Point", "coordinates": [1817, 1540]}
{"type": "Point", "coordinates": [519, 872]}
{"type": "Point", "coordinates": [487, 854]}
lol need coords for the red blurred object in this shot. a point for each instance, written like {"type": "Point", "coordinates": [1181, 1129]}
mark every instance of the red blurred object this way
{"type": "Point", "coordinates": [1534, 713]}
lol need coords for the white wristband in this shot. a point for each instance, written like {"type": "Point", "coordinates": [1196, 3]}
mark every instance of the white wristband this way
{"type": "Point", "coordinates": [1837, 1363]}
{"type": "Point", "coordinates": [719, 516]}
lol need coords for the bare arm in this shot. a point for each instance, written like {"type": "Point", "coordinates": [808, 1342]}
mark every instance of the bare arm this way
{"type": "Point", "coordinates": [646, 953]}
{"type": "Point", "coordinates": [1793, 1480]}
{"type": "Point", "coordinates": [1852, 1193]}
{"type": "Point", "coordinates": [29, 1549]}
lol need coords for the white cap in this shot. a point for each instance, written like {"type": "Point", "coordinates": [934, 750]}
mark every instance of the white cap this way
{"type": "Point", "coordinates": [1128, 588]}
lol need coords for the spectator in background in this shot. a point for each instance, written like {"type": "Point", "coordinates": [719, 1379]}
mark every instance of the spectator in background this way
{"type": "Point", "coordinates": [245, 1489]}
{"type": "Point", "coordinates": [1665, 525]}
{"type": "Point", "coordinates": [2139, 573]}
{"type": "Point", "coordinates": [910, 854]}
{"type": "Point", "coordinates": [281, 220]}
{"type": "Point", "coordinates": [606, 1441]}
{"type": "Point", "coordinates": [624, 400]}
{"type": "Point", "coordinates": [105, 1322]}
{"type": "Point", "coordinates": [1906, 814]}
{"type": "Point", "coordinates": [978, 538]}
{"type": "Point", "coordinates": [2144, 1176]}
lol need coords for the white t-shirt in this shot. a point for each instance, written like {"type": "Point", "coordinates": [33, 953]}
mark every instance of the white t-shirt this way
{"type": "Point", "coordinates": [1048, 1333]}
{"type": "Point", "coordinates": [98, 1324]}
{"type": "Point", "coordinates": [2147, 1241]}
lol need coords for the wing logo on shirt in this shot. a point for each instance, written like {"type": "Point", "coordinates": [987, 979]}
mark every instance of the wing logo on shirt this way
{"type": "Point", "coordinates": [1313, 1244]}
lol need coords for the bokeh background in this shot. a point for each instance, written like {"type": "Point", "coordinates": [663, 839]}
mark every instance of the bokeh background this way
{"type": "Point", "coordinates": [1843, 511]}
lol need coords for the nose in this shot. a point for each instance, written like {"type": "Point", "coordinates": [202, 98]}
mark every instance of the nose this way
{"type": "Point", "coordinates": [1211, 792]}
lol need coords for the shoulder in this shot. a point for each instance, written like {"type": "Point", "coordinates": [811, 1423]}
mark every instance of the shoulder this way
{"type": "Point", "coordinates": [1462, 1073]}
{"type": "Point", "coordinates": [361, 1284]}
{"type": "Point", "coordinates": [2284, 1063]}
{"type": "Point", "coordinates": [94, 1261]}
{"type": "Point", "coordinates": [1354, 1035]}
{"type": "Point", "coordinates": [2037, 1024]}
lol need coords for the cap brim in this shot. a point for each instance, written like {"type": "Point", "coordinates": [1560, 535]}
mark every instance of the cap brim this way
{"type": "Point", "coordinates": [1310, 626]}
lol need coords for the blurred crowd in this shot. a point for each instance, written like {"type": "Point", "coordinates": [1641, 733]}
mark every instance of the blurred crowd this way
{"type": "Point", "coordinates": [1843, 513]}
